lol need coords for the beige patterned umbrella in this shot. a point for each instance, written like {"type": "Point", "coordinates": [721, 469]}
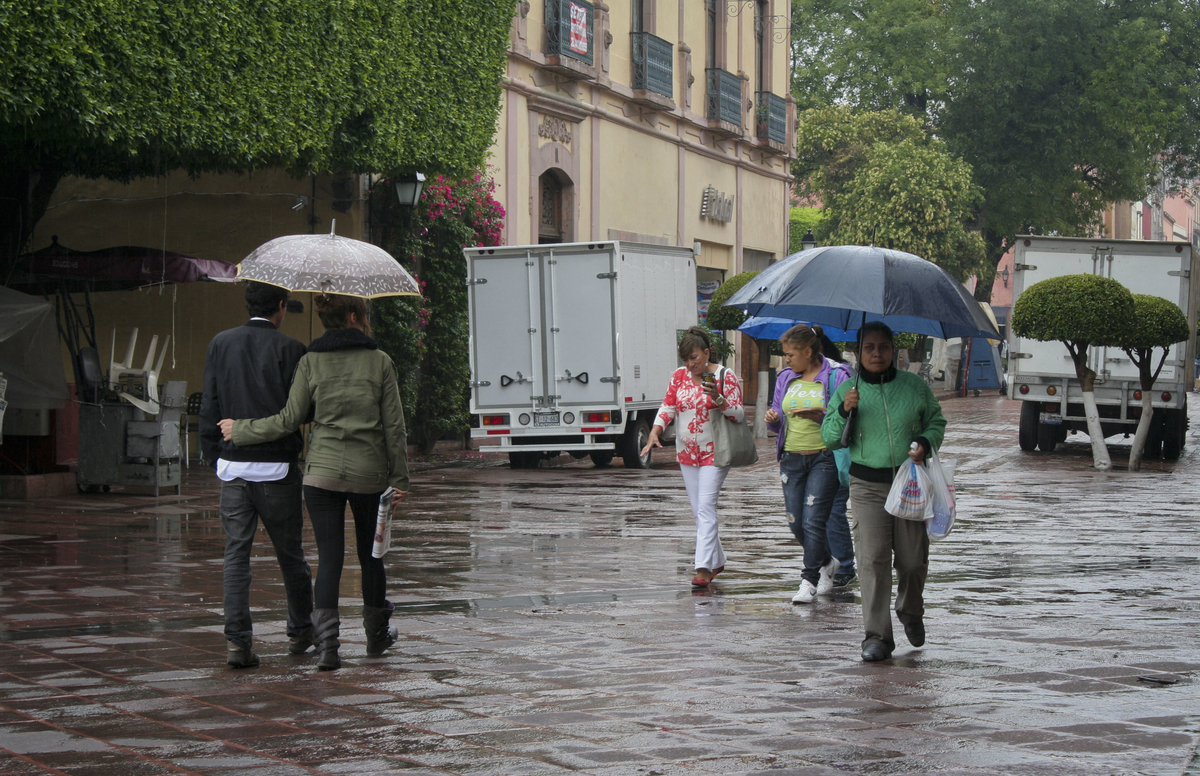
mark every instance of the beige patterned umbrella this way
{"type": "Point", "coordinates": [328, 264]}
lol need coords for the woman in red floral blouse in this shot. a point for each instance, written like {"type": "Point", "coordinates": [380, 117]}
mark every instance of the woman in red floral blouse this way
{"type": "Point", "coordinates": [690, 401]}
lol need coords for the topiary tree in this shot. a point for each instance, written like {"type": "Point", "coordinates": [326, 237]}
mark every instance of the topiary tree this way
{"type": "Point", "coordinates": [1157, 323]}
{"type": "Point", "coordinates": [1078, 311]}
{"type": "Point", "coordinates": [721, 317]}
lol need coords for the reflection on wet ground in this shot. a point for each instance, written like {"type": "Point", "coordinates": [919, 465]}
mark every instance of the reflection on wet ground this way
{"type": "Point", "coordinates": [548, 627]}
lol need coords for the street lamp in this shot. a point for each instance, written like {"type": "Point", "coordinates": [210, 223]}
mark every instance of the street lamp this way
{"type": "Point", "coordinates": [1004, 276]}
{"type": "Point", "coordinates": [808, 241]}
{"type": "Point", "coordinates": [408, 191]}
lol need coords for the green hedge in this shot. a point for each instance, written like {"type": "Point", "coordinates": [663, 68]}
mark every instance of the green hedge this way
{"type": "Point", "coordinates": [118, 88]}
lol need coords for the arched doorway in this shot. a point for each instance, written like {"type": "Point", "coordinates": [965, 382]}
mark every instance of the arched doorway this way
{"type": "Point", "coordinates": [551, 210]}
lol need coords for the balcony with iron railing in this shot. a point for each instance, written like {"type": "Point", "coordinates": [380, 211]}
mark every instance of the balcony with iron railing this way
{"type": "Point", "coordinates": [771, 114]}
{"type": "Point", "coordinates": [569, 38]}
{"type": "Point", "coordinates": [724, 101]}
{"type": "Point", "coordinates": [652, 69]}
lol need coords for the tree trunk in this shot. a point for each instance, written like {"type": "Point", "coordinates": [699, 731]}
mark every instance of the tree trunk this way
{"type": "Point", "coordinates": [24, 195]}
{"type": "Point", "coordinates": [765, 390]}
{"type": "Point", "coordinates": [1099, 450]}
{"type": "Point", "coordinates": [1143, 431]}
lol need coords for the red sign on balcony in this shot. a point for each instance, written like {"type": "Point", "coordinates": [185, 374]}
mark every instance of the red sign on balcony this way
{"type": "Point", "coordinates": [579, 29]}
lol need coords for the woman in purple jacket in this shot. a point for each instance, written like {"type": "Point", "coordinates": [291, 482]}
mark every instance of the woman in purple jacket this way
{"type": "Point", "coordinates": [806, 466]}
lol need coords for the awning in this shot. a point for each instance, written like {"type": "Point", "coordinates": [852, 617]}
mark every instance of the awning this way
{"type": "Point", "coordinates": [120, 267]}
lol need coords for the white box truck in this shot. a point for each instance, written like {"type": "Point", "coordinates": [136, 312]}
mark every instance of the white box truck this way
{"type": "Point", "coordinates": [1042, 375]}
{"type": "Point", "coordinates": [572, 345]}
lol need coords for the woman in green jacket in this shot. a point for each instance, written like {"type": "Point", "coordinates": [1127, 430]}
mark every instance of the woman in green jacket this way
{"type": "Point", "coordinates": [355, 452]}
{"type": "Point", "coordinates": [893, 410]}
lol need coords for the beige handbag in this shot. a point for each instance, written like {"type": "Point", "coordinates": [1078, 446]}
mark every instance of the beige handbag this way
{"type": "Point", "coordinates": [733, 443]}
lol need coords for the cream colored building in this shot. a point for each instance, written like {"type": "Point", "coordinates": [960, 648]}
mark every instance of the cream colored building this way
{"type": "Point", "coordinates": [666, 121]}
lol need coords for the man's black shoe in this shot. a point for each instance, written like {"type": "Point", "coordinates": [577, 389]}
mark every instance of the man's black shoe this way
{"type": "Point", "coordinates": [914, 630]}
{"type": "Point", "coordinates": [240, 657]}
{"type": "Point", "coordinates": [873, 651]}
{"type": "Point", "coordinates": [843, 580]}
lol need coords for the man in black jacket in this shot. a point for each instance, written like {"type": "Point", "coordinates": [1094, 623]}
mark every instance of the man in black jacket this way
{"type": "Point", "coordinates": [247, 374]}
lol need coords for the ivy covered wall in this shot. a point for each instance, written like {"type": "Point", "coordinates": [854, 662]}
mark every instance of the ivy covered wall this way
{"type": "Point", "coordinates": [121, 89]}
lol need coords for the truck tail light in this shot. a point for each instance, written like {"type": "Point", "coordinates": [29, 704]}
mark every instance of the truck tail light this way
{"type": "Point", "coordinates": [1052, 390]}
{"type": "Point", "coordinates": [1166, 396]}
{"type": "Point", "coordinates": [1137, 395]}
{"type": "Point", "coordinates": [597, 417]}
{"type": "Point", "coordinates": [1024, 389]}
{"type": "Point", "coordinates": [494, 420]}
{"type": "Point", "coordinates": [568, 418]}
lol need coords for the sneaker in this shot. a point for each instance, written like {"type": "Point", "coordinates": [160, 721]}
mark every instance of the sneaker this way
{"type": "Point", "coordinates": [825, 583]}
{"type": "Point", "coordinates": [241, 657]}
{"type": "Point", "coordinates": [806, 593]}
{"type": "Point", "coordinates": [843, 579]}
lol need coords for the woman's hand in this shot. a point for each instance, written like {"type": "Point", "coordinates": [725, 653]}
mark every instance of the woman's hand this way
{"type": "Point", "coordinates": [918, 452]}
{"type": "Point", "coordinates": [850, 401]}
{"type": "Point", "coordinates": [710, 390]}
{"type": "Point", "coordinates": [772, 416]}
{"type": "Point", "coordinates": [816, 416]}
{"type": "Point", "coordinates": [397, 497]}
{"type": "Point", "coordinates": [226, 427]}
{"type": "Point", "coordinates": [654, 432]}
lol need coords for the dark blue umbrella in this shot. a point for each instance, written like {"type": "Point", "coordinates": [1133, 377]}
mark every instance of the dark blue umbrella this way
{"type": "Point", "coordinates": [843, 286]}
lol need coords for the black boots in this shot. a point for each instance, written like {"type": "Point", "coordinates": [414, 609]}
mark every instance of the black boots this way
{"type": "Point", "coordinates": [380, 635]}
{"type": "Point", "coordinates": [326, 625]}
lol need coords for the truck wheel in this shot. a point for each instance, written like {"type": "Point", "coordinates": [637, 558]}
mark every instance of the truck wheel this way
{"type": "Point", "coordinates": [1174, 434]}
{"type": "Point", "coordinates": [522, 460]}
{"type": "Point", "coordinates": [1047, 436]}
{"type": "Point", "coordinates": [1027, 435]}
{"type": "Point", "coordinates": [636, 437]}
{"type": "Point", "coordinates": [602, 458]}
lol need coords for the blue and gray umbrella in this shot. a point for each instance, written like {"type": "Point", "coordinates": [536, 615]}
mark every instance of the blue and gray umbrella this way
{"type": "Point", "coordinates": [774, 328]}
{"type": "Point", "coordinates": [843, 286]}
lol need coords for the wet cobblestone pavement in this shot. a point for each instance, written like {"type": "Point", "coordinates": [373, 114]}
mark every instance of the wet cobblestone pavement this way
{"type": "Point", "coordinates": [548, 627]}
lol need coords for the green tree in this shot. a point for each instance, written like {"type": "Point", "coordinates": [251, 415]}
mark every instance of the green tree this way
{"type": "Point", "coordinates": [884, 180]}
{"type": "Point", "coordinates": [1078, 311]}
{"type": "Point", "coordinates": [106, 89]}
{"type": "Point", "coordinates": [1060, 107]}
{"type": "Point", "coordinates": [1157, 323]}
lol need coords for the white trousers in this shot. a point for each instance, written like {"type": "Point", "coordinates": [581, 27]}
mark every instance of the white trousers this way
{"type": "Point", "coordinates": [703, 485]}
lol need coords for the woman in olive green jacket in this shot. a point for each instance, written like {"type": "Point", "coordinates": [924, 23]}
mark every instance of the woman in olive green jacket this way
{"type": "Point", "coordinates": [893, 410]}
{"type": "Point", "coordinates": [355, 452]}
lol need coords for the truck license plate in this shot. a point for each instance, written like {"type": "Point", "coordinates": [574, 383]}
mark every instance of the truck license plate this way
{"type": "Point", "coordinates": [1053, 418]}
{"type": "Point", "coordinates": [542, 419]}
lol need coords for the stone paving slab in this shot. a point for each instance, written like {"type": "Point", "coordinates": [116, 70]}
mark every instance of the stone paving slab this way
{"type": "Point", "coordinates": [548, 627]}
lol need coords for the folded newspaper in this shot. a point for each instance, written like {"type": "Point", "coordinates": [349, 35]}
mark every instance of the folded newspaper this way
{"type": "Point", "coordinates": [383, 524]}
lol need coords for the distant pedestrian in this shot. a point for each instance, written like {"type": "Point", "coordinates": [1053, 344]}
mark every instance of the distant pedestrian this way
{"type": "Point", "coordinates": [356, 451]}
{"type": "Point", "coordinates": [807, 467]}
{"type": "Point", "coordinates": [892, 409]}
{"type": "Point", "coordinates": [247, 373]}
{"type": "Point", "coordinates": [696, 399]}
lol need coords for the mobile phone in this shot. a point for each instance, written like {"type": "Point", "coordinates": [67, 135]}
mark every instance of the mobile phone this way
{"type": "Point", "coordinates": [709, 378]}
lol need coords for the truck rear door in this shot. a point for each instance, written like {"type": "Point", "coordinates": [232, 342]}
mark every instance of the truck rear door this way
{"type": "Point", "coordinates": [504, 306]}
{"type": "Point", "coordinates": [1154, 269]}
{"type": "Point", "coordinates": [580, 317]}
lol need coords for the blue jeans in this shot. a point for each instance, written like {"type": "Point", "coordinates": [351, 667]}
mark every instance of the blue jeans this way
{"type": "Point", "coordinates": [841, 546]}
{"type": "Point", "coordinates": [277, 504]}
{"type": "Point", "coordinates": [809, 484]}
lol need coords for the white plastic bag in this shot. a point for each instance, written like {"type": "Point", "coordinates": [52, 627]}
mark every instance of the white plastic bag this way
{"type": "Point", "coordinates": [942, 506]}
{"type": "Point", "coordinates": [909, 497]}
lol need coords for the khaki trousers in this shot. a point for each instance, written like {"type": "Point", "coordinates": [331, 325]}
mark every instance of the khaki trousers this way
{"type": "Point", "coordinates": [878, 538]}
